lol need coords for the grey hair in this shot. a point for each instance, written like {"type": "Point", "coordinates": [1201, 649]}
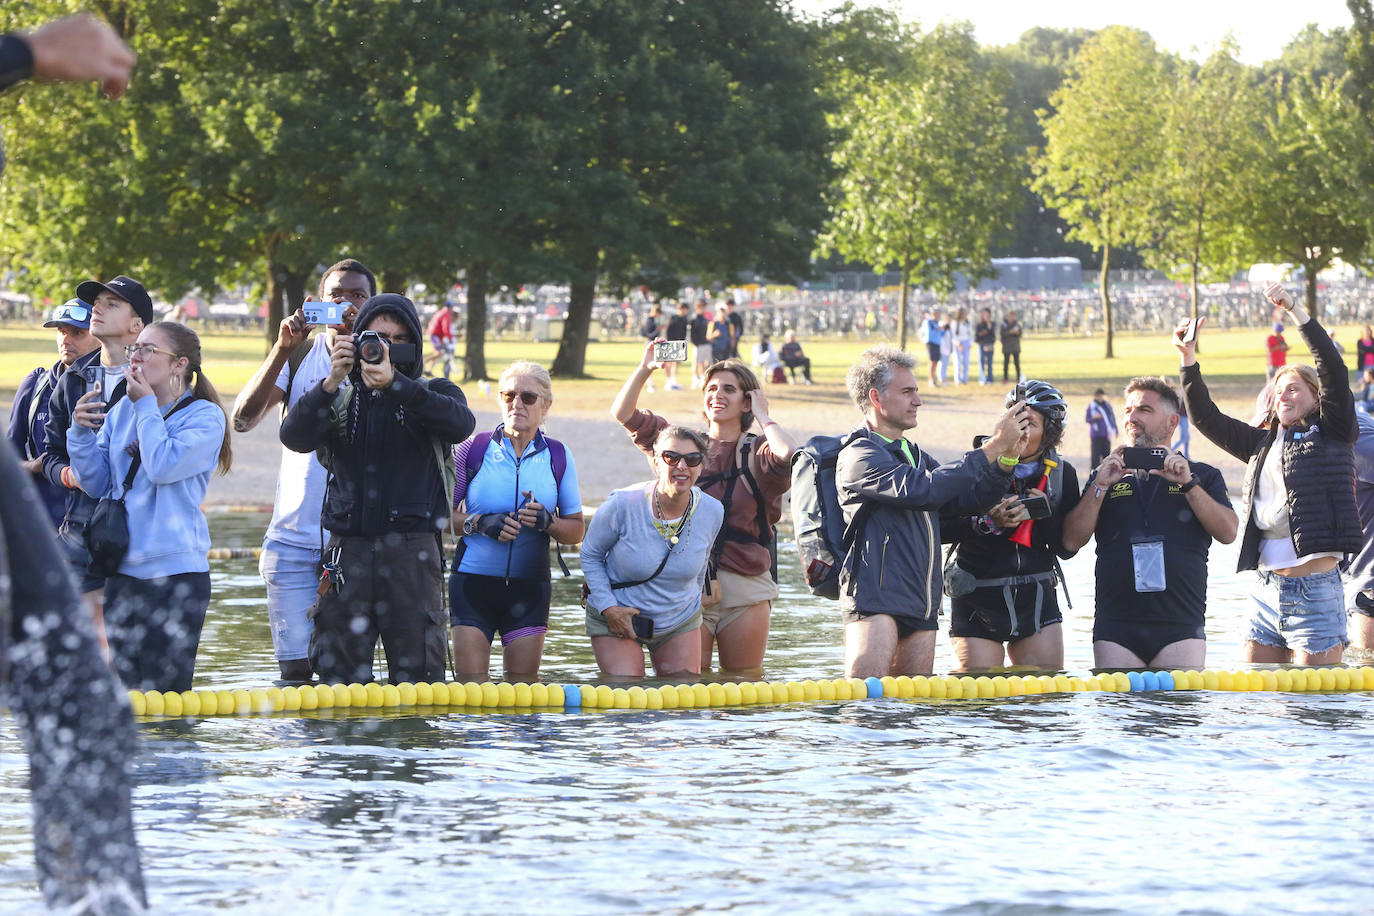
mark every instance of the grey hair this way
{"type": "Point", "coordinates": [873, 371]}
{"type": "Point", "coordinates": [670, 433]}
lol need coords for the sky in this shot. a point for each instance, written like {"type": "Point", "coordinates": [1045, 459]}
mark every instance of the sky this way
{"type": "Point", "coordinates": [1176, 25]}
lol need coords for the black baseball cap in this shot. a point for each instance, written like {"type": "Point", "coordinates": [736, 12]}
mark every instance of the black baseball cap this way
{"type": "Point", "coordinates": [126, 288]}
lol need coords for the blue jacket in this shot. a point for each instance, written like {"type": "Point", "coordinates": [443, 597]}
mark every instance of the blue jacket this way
{"type": "Point", "coordinates": [168, 534]}
{"type": "Point", "coordinates": [27, 432]}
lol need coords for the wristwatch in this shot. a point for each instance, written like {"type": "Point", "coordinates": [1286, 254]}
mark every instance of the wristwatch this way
{"type": "Point", "coordinates": [1184, 488]}
{"type": "Point", "coordinates": [470, 523]}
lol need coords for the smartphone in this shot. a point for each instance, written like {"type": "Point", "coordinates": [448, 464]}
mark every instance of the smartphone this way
{"type": "Point", "coordinates": [643, 626]}
{"type": "Point", "coordinates": [1037, 504]}
{"type": "Point", "coordinates": [1190, 332]}
{"type": "Point", "coordinates": [324, 313]}
{"type": "Point", "coordinates": [1144, 459]}
{"type": "Point", "coordinates": [670, 351]}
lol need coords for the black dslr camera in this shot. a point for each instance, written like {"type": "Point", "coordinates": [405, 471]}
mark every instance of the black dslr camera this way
{"type": "Point", "coordinates": [372, 349]}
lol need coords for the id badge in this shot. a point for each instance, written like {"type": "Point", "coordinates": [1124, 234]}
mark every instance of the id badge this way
{"type": "Point", "coordinates": [1147, 556]}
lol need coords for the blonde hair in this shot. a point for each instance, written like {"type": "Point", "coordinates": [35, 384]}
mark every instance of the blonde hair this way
{"type": "Point", "coordinates": [1301, 370]}
{"type": "Point", "coordinates": [534, 371]}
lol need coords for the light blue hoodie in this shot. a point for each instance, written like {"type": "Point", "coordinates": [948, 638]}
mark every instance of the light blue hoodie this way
{"type": "Point", "coordinates": [168, 534]}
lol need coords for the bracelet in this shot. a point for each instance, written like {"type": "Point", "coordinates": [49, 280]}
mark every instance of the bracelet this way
{"type": "Point", "coordinates": [770, 423]}
{"type": "Point", "coordinates": [1006, 462]}
{"type": "Point", "coordinates": [69, 478]}
{"type": "Point", "coordinates": [1098, 491]}
{"type": "Point", "coordinates": [1184, 488]}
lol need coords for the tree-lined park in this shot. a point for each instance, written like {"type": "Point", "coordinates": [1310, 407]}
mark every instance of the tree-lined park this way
{"type": "Point", "coordinates": [607, 144]}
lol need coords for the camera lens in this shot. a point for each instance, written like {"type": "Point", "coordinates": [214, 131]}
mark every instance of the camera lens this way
{"type": "Point", "coordinates": [370, 348]}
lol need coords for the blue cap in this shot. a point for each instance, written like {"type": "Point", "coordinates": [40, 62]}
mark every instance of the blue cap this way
{"type": "Point", "coordinates": [1278, 327]}
{"type": "Point", "coordinates": [75, 313]}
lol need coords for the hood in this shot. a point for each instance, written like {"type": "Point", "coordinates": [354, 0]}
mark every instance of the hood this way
{"type": "Point", "coordinates": [403, 309]}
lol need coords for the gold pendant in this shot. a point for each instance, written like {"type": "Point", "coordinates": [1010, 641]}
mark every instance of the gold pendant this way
{"type": "Point", "coordinates": [673, 540]}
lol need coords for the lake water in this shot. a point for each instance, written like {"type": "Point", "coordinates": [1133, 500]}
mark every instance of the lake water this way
{"type": "Point", "coordinates": [1079, 803]}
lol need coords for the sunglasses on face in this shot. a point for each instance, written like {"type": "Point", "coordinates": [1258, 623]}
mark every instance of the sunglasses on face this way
{"type": "Point", "coordinates": [691, 459]}
{"type": "Point", "coordinates": [526, 397]}
{"type": "Point", "coordinates": [143, 351]}
{"type": "Point", "coordinates": [73, 312]}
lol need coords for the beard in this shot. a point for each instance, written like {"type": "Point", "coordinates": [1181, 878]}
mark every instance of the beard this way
{"type": "Point", "coordinates": [1141, 439]}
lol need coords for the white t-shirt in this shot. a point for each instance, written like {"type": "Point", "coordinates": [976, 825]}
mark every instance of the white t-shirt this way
{"type": "Point", "coordinates": [300, 484]}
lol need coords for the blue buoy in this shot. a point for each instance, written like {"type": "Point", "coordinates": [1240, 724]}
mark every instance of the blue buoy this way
{"type": "Point", "coordinates": [572, 695]}
{"type": "Point", "coordinates": [1137, 682]}
{"type": "Point", "coordinates": [1166, 680]}
{"type": "Point", "coordinates": [1151, 680]}
{"type": "Point", "coordinates": [875, 687]}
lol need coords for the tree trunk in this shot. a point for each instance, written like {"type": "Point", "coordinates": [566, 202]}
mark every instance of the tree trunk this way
{"type": "Point", "coordinates": [1310, 290]}
{"type": "Point", "coordinates": [293, 285]}
{"type": "Point", "coordinates": [475, 354]}
{"type": "Point", "coordinates": [1196, 304]}
{"type": "Point", "coordinates": [276, 275]}
{"type": "Point", "coordinates": [392, 282]}
{"type": "Point", "coordinates": [1103, 281]}
{"type": "Point", "coordinates": [904, 303]}
{"type": "Point", "coordinates": [571, 361]}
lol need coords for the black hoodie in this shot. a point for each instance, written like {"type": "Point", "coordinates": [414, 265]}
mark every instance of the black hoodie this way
{"type": "Point", "coordinates": [385, 475]}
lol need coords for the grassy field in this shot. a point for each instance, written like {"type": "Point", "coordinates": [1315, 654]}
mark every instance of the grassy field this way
{"type": "Point", "coordinates": [1234, 361]}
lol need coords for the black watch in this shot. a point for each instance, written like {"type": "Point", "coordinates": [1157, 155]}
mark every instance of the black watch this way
{"type": "Point", "coordinates": [470, 523]}
{"type": "Point", "coordinates": [1184, 488]}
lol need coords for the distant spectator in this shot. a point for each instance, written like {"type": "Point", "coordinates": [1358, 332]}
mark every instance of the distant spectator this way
{"type": "Point", "coordinates": [961, 330]}
{"type": "Point", "coordinates": [1366, 394]}
{"type": "Point", "coordinates": [985, 336]}
{"type": "Point", "coordinates": [1364, 349]}
{"type": "Point", "coordinates": [766, 358]}
{"type": "Point", "coordinates": [1101, 426]}
{"type": "Point", "coordinates": [698, 330]}
{"type": "Point", "coordinates": [1011, 344]}
{"type": "Point", "coordinates": [736, 327]}
{"type": "Point", "coordinates": [1278, 350]}
{"type": "Point", "coordinates": [793, 358]}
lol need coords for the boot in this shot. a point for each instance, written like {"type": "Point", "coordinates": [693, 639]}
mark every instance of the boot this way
{"type": "Point", "coordinates": [295, 672]}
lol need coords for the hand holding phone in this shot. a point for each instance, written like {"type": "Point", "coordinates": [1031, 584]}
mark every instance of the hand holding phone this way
{"type": "Point", "coordinates": [1144, 459]}
{"type": "Point", "coordinates": [1037, 504]}
{"type": "Point", "coordinates": [670, 351]}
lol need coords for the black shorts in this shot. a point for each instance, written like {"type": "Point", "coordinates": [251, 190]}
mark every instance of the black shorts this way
{"type": "Point", "coordinates": [494, 604]}
{"type": "Point", "coordinates": [1362, 605]}
{"type": "Point", "coordinates": [906, 623]}
{"type": "Point", "coordinates": [933, 351]}
{"type": "Point", "coordinates": [1145, 638]}
{"type": "Point", "coordinates": [984, 613]}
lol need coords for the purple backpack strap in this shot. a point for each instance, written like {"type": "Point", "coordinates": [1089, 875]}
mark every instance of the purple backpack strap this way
{"type": "Point", "coordinates": [476, 452]}
{"type": "Point", "coordinates": [558, 460]}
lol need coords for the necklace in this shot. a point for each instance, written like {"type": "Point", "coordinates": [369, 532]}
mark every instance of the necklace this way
{"type": "Point", "coordinates": [673, 533]}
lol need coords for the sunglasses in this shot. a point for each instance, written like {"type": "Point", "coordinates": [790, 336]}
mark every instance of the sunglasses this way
{"type": "Point", "coordinates": [73, 312]}
{"type": "Point", "coordinates": [526, 397]}
{"type": "Point", "coordinates": [143, 351]}
{"type": "Point", "coordinates": [691, 459]}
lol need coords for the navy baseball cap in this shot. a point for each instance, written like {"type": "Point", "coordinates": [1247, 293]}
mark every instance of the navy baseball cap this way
{"type": "Point", "coordinates": [74, 312]}
{"type": "Point", "coordinates": [126, 288]}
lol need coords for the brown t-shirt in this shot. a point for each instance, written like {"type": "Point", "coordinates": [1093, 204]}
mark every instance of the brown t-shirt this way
{"type": "Point", "coordinates": [774, 478]}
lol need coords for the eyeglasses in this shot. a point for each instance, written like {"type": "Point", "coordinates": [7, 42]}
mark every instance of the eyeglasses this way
{"type": "Point", "coordinates": [73, 312]}
{"type": "Point", "coordinates": [526, 397]}
{"type": "Point", "coordinates": [691, 459]}
{"type": "Point", "coordinates": [143, 351]}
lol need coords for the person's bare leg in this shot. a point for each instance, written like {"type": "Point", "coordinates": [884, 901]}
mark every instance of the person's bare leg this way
{"type": "Point", "coordinates": [1361, 632]}
{"type": "Point", "coordinates": [520, 658]}
{"type": "Point", "coordinates": [95, 602]}
{"type": "Point", "coordinates": [741, 644]}
{"type": "Point", "coordinates": [915, 654]}
{"type": "Point", "coordinates": [1186, 653]}
{"type": "Point", "coordinates": [1108, 654]}
{"type": "Point", "coordinates": [1331, 656]}
{"type": "Point", "coordinates": [869, 646]}
{"type": "Point", "coordinates": [618, 657]}
{"type": "Point", "coordinates": [1040, 650]}
{"type": "Point", "coordinates": [973, 653]}
{"type": "Point", "coordinates": [471, 654]}
{"type": "Point", "coordinates": [679, 655]}
{"type": "Point", "coordinates": [708, 645]}
{"type": "Point", "coordinates": [1267, 655]}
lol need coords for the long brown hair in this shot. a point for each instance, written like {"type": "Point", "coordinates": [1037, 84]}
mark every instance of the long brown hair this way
{"type": "Point", "coordinates": [186, 343]}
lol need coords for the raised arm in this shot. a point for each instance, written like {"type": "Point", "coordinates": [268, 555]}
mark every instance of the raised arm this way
{"type": "Point", "coordinates": [1237, 437]}
{"type": "Point", "coordinates": [627, 398]}
{"type": "Point", "coordinates": [262, 392]}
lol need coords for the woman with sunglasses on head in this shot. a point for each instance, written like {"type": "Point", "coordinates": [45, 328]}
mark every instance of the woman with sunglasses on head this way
{"type": "Point", "coordinates": [516, 488]}
{"type": "Point", "coordinates": [645, 558]}
{"type": "Point", "coordinates": [748, 473]}
{"type": "Point", "coordinates": [170, 421]}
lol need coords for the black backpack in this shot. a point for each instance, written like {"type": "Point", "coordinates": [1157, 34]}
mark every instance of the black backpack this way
{"type": "Point", "coordinates": [817, 520]}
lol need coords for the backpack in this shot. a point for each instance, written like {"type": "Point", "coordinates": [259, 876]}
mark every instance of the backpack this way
{"type": "Point", "coordinates": [293, 364]}
{"type": "Point", "coordinates": [817, 520]}
{"type": "Point", "coordinates": [472, 463]}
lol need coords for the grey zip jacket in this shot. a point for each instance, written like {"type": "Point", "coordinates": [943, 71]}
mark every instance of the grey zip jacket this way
{"type": "Point", "coordinates": [892, 523]}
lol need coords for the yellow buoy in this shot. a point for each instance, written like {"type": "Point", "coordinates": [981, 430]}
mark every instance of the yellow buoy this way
{"type": "Point", "coordinates": [290, 699]}
{"type": "Point", "coordinates": [391, 696]}
{"type": "Point", "coordinates": [1342, 678]}
{"type": "Point", "coordinates": [171, 703]}
{"type": "Point", "coordinates": [407, 693]}
{"type": "Point", "coordinates": [732, 694]}
{"type": "Point", "coordinates": [638, 698]}
{"type": "Point", "coordinates": [968, 687]}
{"type": "Point", "coordinates": [1016, 686]}
{"type": "Point", "coordinates": [984, 687]}
{"type": "Point", "coordinates": [309, 698]}
{"type": "Point", "coordinates": [906, 688]}
{"type": "Point", "coordinates": [937, 687]}
{"type": "Point", "coordinates": [190, 702]}
{"type": "Point", "coordinates": [557, 696]}
{"type": "Point", "coordinates": [764, 691]}
{"type": "Point", "coordinates": [653, 698]}
{"type": "Point", "coordinates": [668, 694]}
{"type": "Point", "coordinates": [620, 698]}
{"type": "Point", "coordinates": [153, 699]}
{"type": "Point", "coordinates": [539, 695]}
{"type": "Point", "coordinates": [842, 689]}
{"type": "Point", "coordinates": [686, 696]}
{"type": "Point", "coordinates": [701, 696]}
{"type": "Point", "coordinates": [811, 690]}
{"type": "Point", "coordinates": [921, 685]}
{"type": "Point", "coordinates": [889, 685]}
{"type": "Point", "coordinates": [424, 694]}
{"type": "Point", "coordinates": [748, 693]}
{"type": "Point", "coordinates": [954, 688]}
{"type": "Point", "coordinates": [524, 696]}
{"type": "Point", "coordinates": [795, 694]}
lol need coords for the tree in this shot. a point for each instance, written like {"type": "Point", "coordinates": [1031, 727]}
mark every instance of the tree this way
{"type": "Point", "coordinates": [1102, 143]}
{"type": "Point", "coordinates": [1307, 202]}
{"type": "Point", "coordinates": [1212, 120]}
{"type": "Point", "coordinates": [926, 171]}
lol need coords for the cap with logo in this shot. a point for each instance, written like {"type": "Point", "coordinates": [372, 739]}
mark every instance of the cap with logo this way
{"type": "Point", "coordinates": [73, 313]}
{"type": "Point", "coordinates": [126, 288]}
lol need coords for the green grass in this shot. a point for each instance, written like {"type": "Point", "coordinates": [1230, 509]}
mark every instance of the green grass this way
{"type": "Point", "coordinates": [1231, 358]}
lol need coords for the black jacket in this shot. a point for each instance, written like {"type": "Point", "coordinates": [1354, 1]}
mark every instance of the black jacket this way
{"type": "Point", "coordinates": [384, 473]}
{"type": "Point", "coordinates": [1318, 457]}
{"type": "Point", "coordinates": [891, 514]}
{"type": "Point", "coordinates": [70, 387]}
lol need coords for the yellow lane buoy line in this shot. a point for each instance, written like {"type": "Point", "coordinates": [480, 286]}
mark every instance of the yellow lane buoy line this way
{"type": "Point", "coordinates": [471, 695]}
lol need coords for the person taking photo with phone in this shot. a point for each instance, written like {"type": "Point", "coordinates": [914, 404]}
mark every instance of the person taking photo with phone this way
{"type": "Point", "coordinates": [1299, 495]}
{"type": "Point", "coordinates": [1154, 514]}
{"type": "Point", "coordinates": [156, 449]}
{"type": "Point", "coordinates": [748, 473]}
{"type": "Point", "coordinates": [645, 558]}
{"type": "Point", "coordinates": [1002, 572]}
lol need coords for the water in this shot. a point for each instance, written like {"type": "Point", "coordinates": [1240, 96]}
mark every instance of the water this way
{"type": "Point", "coordinates": [1082, 803]}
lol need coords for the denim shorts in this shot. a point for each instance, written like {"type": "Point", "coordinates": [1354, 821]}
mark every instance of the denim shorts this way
{"type": "Point", "coordinates": [1302, 613]}
{"type": "Point", "coordinates": [292, 575]}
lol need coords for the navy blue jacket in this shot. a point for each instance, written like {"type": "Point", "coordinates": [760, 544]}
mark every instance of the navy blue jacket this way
{"type": "Point", "coordinates": [70, 387]}
{"type": "Point", "coordinates": [28, 433]}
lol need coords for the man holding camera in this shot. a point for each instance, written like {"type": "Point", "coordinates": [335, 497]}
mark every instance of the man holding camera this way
{"type": "Point", "coordinates": [120, 310]}
{"type": "Point", "coordinates": [385, 440]}
{"type": "Point", "coordinates": [293, 546]}
{"type": "Point", "coordinates": [1155, 514]}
